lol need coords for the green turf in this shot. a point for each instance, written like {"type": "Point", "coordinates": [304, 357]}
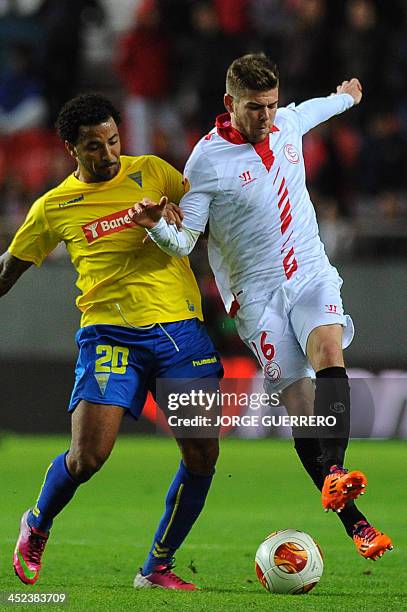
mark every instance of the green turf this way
{"type": "Point", "coordinates": [103, 535]}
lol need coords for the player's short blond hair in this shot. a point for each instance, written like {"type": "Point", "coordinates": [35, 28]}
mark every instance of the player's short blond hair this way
{"type": "Point", "coordinates": [254, 71]}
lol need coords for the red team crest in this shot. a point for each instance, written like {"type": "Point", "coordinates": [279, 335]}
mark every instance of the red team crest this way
{"type": "Point", "coordinates": [291, 154]}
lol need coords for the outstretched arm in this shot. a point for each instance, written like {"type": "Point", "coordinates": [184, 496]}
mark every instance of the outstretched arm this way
{"type": "Point", "coordinates": [202, 179]}
{"type": "Point", "coordinates": [11, 268]}
{"type": "Point", "coordinates": [316, 111]}
{"type": "Point", "coordinates": [171, 238]}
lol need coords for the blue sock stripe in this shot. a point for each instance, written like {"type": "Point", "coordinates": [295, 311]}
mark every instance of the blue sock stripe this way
{"type": "Point", "coordinates": [57, 490]}
{"type": "Point", "coordinates": [35, 510]}
{"type": "Point", "coordinates": [184, 502]}
{"type": "Point", "coordinates": [174, 512]}
{"type": "Point", "coordinates": [160, 548]}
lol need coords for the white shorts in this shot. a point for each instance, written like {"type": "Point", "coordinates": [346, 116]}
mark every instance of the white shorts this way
{"type": "Point", "coordinates": [277, 328]}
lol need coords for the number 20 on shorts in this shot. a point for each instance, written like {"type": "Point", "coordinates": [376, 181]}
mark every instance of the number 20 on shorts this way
{"type": "Point", "coordinates": [113, 359]}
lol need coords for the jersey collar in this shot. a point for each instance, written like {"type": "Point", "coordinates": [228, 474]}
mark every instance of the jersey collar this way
{"type": "Point", "coordinates": [225, 130]}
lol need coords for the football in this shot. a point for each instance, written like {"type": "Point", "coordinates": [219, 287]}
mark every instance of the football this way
{"type": "Point", "coordinates": [289, 561]}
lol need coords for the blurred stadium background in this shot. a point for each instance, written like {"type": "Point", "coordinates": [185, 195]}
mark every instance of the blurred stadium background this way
{"type": "Point", "coordinates": [163, 63]}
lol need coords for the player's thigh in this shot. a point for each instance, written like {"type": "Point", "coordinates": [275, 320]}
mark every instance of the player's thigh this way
{"type": "Point", "coordinates": [265, 327]}
{"type": "Point", "coordinates": [324, 346]}
{"type": "Point", "coordinates": [94, 429]}
{"type": "Point", "coordinates": [318, 305]}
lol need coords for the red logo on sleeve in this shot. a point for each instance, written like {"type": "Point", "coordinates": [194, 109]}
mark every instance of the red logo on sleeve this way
{"type": "Point", "coordinates": [333, 308]}
{"type": "Point", "coordinates": [116, 222]}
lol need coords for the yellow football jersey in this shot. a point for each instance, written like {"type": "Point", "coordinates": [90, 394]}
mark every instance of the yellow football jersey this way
{"type": "Point", "coordinates": [122, 281]}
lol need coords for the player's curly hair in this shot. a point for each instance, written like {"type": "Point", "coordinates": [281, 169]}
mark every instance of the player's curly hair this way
{"type": "Point", "coordinates": [254, 71]}
{"type": "Point", "coordinates": [85, 109]}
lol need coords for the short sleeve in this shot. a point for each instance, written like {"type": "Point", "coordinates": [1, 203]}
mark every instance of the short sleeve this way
{"type": "Point", "coordinates": [34, 240]}
{"type": "Point", "coordinates": [170, 180]}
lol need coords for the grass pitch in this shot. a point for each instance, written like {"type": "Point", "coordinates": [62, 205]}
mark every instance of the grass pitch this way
{"type": "Point", "coordinates": [102, 537]}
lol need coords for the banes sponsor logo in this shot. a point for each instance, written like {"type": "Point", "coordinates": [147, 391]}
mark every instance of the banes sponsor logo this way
{"type": "Point", "coordinates": [110, 224]}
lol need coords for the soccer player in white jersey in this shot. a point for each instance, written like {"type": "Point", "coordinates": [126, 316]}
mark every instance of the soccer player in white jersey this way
{"type": "Point", "coordinates": [247, 178]}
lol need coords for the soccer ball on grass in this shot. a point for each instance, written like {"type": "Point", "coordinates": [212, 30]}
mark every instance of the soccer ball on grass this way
{"type": "Point", "coordinates": [289, 561]}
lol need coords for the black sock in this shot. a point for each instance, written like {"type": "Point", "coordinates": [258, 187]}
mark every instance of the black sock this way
{"type": "Point", "coordinates": [309, 452]}
{"type": "Point", "coordinates": [332, 399]}
{"type": "Point", "coordinates": [349, 516]}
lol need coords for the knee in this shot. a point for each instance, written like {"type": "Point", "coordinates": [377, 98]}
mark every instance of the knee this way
{"type": "Point", "coordinates": [328, 355]}
{"type": "Point", "coordinates": [200, 457]}
{"type": "Point", "coordinates": [83, 465]}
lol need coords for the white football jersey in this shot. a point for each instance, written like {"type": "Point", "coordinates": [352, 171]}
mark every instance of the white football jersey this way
{"type": "Point", "coordinates": [262, 224]}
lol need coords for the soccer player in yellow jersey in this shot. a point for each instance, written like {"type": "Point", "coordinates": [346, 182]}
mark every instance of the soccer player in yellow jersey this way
{"type": "Point", "coordinates": [141, 320]}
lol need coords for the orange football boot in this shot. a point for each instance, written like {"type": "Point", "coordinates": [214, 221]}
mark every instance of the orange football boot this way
{"type": "Point", "coordinates": [370, 542]}
{"type": "Point", "coordinates": [340, 486]}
